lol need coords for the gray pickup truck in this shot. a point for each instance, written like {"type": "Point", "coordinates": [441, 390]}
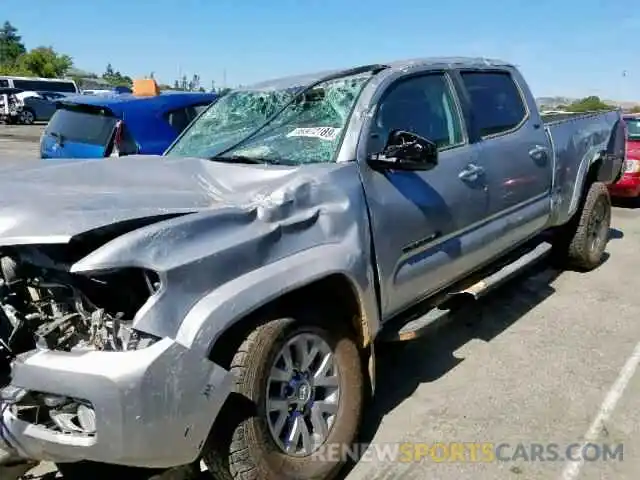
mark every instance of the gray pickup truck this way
{"type": "Point", "coordinates": [222, 302]}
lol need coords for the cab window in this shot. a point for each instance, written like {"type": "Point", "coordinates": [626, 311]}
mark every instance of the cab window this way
{"type": "Point", "coordinates": [422, 105]}
{"type": "Point", "coordinates": [496, 101]}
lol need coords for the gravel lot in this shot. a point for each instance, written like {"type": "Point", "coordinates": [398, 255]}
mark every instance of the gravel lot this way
{"type": "Point", "coordinates": [549, 358]}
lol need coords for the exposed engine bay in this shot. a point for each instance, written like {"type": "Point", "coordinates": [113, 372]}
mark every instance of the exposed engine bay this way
{"type": "Point", "coordinates": [44, 306]}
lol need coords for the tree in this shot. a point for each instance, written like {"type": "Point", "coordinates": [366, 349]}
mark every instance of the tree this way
{"type": "Point", "coordinates": [12, 69]}
{"type": "Point", "coordinates": [115, 78]}
{"type": "Point", "coordinates": [44, 62]}
{"type": "Point", "coordinates": [588, 104]}
{"type": "Point", "coordinates": [635, 109]}
{"type": "Point", "coordinates": [11, 46]}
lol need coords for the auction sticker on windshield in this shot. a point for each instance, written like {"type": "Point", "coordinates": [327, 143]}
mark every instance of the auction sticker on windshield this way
{"type": "Point", "coordinates": [324, 133]}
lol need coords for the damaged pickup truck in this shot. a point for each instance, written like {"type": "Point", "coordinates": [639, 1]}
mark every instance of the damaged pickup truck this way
{"type": "Point", "coordinates": [222, 302]}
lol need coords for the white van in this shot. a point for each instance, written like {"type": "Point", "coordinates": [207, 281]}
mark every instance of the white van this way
{"type": "Point", "coordinates": [57, 85]}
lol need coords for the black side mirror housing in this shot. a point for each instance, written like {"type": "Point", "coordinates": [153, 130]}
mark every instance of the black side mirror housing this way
{"type": "Point", "coordinates": [406, 151]}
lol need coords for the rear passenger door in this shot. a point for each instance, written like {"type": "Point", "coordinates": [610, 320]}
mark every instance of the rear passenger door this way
{"type": "Point", "coordinates": [514, 151]}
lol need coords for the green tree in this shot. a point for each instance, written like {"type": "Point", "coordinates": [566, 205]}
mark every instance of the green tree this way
{"type": "Point", "coordinates": [13, 69]}
{"type": "Point", "coordinates": [115, 78]}
{"type": "Point", "coordinates": [11, 46]}
{"type": "Point", "coordinates": [635, 109]}
{"type": "Point", "coordinates": [588, 104]}
{"type": "Point", "coordinates": [44, 62]}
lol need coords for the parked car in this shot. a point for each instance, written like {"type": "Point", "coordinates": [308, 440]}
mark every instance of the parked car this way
{"type": "Point", "coordinates": [629, 185]}
{"type": "Point", "coordinates": [88, 126]}
{"type": "Point", "coordinates": [10, 105]}
{"type": "Point", "coordinates": [39, 106]}
{"type": "Point", "coordinates": [222, 301]}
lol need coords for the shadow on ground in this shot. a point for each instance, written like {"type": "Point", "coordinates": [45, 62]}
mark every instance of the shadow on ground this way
{"type": "Point", "coordinates": [627, 203]}
{"type": "Point", "coordinates": [402, 368]}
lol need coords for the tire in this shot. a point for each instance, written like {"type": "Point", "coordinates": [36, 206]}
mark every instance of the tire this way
{"type": "Point", "coordinates": [248, 450]}
{"type": "Point", "coordinates": [28, 116]}
{"type": "Point", "coordinates": [582, 241]}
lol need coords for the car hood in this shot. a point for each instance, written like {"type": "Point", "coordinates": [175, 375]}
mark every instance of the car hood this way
{"type": "Point", "coordinates": [55, 201]}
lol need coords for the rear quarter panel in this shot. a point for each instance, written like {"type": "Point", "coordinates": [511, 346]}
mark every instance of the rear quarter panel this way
{"type": "Point", "coordinates": [578, 143]}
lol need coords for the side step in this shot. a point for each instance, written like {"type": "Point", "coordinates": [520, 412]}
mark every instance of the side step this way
{"type": "Point", "coordinates": [441, 307]}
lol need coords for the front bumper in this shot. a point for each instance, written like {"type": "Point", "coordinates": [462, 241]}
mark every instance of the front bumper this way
{"type": "Point", "coordinates": [154, 407]}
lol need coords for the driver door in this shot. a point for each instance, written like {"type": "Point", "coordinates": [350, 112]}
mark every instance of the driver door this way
{"type": "Point", "coordinates": [424, 223]}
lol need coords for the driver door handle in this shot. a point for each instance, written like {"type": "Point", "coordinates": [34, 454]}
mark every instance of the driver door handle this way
{"type": "Point", "coordinates": [471, 173]}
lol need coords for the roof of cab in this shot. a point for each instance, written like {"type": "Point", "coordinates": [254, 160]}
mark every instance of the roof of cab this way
{"type": "Point", "coordinates": [118, 103]}
{"type": "Point", "coordinates": [446, 62]}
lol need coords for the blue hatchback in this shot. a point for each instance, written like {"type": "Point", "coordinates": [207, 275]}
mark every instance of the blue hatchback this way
{"type": "Point", "coordinates": [88, 126]}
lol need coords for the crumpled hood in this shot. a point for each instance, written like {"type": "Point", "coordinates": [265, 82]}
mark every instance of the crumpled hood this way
{"type": "Point", "coordinates": [54, 201]}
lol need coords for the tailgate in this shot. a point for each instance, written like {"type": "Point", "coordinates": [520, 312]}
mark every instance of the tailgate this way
{"type": "Point", "coordinates": [78, 131]}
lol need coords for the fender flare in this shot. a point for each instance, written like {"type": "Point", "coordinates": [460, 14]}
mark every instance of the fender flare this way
{"type": "Point", "coordinates": [233, 301]}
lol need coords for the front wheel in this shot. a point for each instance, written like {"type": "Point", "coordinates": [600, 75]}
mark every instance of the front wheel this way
{"type": "Point", "coordinates": [300, 385]}
{"type": "Point", "coordinates": [28, 117]}
{"type": "Point", "coordinates": [582, 241]}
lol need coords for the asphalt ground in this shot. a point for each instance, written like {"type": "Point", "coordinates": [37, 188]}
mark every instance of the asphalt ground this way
{"type": "Point", "coordinates": [540, 368]}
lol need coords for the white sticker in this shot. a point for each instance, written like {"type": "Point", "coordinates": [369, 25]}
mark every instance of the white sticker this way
{"type": "Point", "coordinates": [324, 133]}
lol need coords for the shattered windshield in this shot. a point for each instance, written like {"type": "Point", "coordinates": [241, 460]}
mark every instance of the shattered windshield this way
{"type": "Point", "coordinates": [307, 131]}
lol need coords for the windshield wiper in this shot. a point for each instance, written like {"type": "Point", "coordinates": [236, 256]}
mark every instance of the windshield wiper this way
{"type": "Point", "coordinates": [242, 159]}
{"type": "Point", "coordinates": [375, 68]}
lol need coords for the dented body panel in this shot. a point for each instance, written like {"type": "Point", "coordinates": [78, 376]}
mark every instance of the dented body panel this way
{"type": "Point", "coordinates": [578, 143]}
{"type": "Point", "coordinates": [224, 239]}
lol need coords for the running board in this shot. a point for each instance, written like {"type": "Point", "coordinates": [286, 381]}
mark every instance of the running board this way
{"type": "Point", "coordinates": [443, 305]}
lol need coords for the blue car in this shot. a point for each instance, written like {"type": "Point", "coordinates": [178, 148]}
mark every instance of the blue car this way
{"type": "Point", "coordinates": [87, 126]}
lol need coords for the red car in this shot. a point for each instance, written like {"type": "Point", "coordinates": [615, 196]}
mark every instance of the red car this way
{"type": "Point", "coordinates": [629, 185]}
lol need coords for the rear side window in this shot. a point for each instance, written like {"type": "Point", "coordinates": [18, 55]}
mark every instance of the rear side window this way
{"type": "Point", "coordinates": [4, 82]}
{"type": "Point", "coordinates": [82, 127]}
{"type": "Point", "coordinates": [180, 118]}
{"type": "Point", "coordinates": [46, 86]}
{"type": "Point", "coordinates": [198, 109]}
{"type": "Point", "coordinates": [496, 101]}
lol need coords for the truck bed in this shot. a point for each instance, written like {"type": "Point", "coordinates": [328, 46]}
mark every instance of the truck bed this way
{"type": "Point", "coordinates": [578, 141]}
{"type": "Point", "coordinates": [555, 117]}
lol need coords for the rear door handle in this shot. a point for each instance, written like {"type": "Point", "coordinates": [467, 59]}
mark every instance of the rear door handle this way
{"type": "Point", "coordinates": [539, 153]}
{"type": "Point", "coordinates": [471, 173]}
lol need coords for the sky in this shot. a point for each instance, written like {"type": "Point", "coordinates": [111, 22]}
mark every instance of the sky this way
{"type": "Point", "coordinates": [563, 47]}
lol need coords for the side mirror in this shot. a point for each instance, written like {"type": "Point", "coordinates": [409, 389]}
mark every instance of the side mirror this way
{"type": "Point", "coordinates": [406, 151]}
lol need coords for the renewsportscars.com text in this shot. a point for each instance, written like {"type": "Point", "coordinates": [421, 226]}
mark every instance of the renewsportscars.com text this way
{"type": "Point", "coordinates": [472, 452]}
